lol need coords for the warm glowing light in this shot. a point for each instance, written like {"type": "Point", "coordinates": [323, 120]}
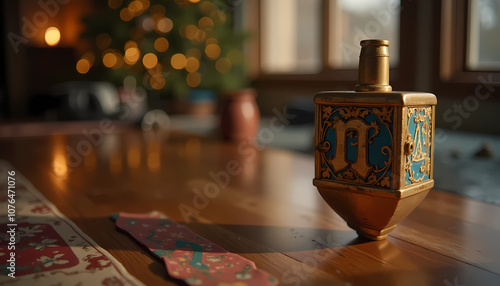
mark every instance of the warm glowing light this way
{"type": "Point", "coordinates": [218, 16]}
{"type": "Point", "coordinates": [205, 22]}
{"type": "Point", "coordinates": [130, 44]}
{"type": "Point", "coordinates": [199, 37]}
{"type": "Point", "coordinates": [157, 81]}
{"type": "Point", "coordinates": [113, 4]}
{"type": "Point", "coordinates": [194, 1]}
{"type": "Point", "coordinates": [135, 7]}
{"type": "Point", "coordinates": [132, 55]}
{"type": "Point", "coordinates": [164, 25]}
{"type": "Point", "coordinates": [212, 51]}
{"type": "Point", "coordinates": [119, 61]}
{"type": "Point", "coordinates": [52, 36]}
{"type": "Point", "coordinates": [194, 52]}
{"type": "Point", "coordinates": [235, 56]}
{"type": "Point", "coordinates": [90, 56]}
{"type": "Point", "coordinates": [223, 65]}
{"type": "Point", "coordinates": [60, 166]}
{"type": "Point", "coordinates": [145, 4]}
{"type": "Point", "coordinates": [109, 60]}
{"type": "Point", "coordinates": [190, 31]}
{"type": "Point", "coordinates": [126, 15]}
{"type": "Point", "coordinates": [206, 7]}
{"type": "Point", "coordinates": [156, 70]}
{"type": "Point", "coordinates": [193, 79]}
{"type": "Point", "coordinates": [149, 60]}
{"type": "Point", "coordinates": [158, 9]}
{"type": "Point", "coordinates": [211, 41]}
{"type": "Point", "coordinates": [192, 64]}
{"type": "Point", "coordinates": [178, 61]}
{"type": "Point", "coordinates": [161, 44]}
{"type": "Point", "coordinates": [83, 66]}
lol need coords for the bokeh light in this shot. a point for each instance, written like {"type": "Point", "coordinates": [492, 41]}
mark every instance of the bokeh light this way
{"type": "Point", "coordinates": [126, 15]}
{"type": "Point", "coordinates": [164, 25]}
{"type": "Point", "coordinates": [83, 66]}
{"type": "Point", "coordinates": [193, 79]}
{"type": "Point", "coordinates": [135, 7]}
{"type": "Point", "coordinates": [178, 61]}
{"type": "Point", "coordinates": [157, 81]}
{"type": "Point", "coordinates": [223, 65]}
{"type": "Point", "coordinates": [205, 23]}
{"type": "Point", "coordinates": [190, 31]}
{"type": "Point", "coordinates": [212, 51]}
{"type": "Point", "coordinates": [158, 9]}
{"type": "Point", "coordinates": [206, 7]}
{"type": "Point", "coordinates": [130, 44]}
{"type": "Point", "coordinates": [132, 55]}
{"type": "Point", "coordinates": [109, 59]}
{"type": "Point", "coordinates": [149, 60]}
{"type": "Point", "coordinates": [161, 44]}
{"type": "Point", "coordinates": [192, 64]}
{"type": "Point", "coordinates": [211, 41]}
{"type": "Point", "coordinates": [52, 36]}
{"type": "Point", "coordinates": [148, 24]}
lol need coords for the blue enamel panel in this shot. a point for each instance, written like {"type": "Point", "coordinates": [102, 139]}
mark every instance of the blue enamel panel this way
{"type": "Point", "coordinates": [361, 145]}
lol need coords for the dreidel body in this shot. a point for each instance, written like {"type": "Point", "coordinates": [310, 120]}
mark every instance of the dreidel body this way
{"type": "Point", "coordinates": [374, 147]}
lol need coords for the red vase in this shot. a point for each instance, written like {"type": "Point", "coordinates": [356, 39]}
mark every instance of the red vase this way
{"type": "Point", "coordinates": [240, 115]}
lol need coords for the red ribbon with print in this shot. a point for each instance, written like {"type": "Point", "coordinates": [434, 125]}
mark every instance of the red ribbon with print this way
{"type": "Point", "coordinates": [188, 256]}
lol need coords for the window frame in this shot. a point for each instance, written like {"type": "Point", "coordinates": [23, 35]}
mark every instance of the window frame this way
{"type": "Point", "coordinates": [327, 76]}
{"type": "Point", "coordinates": [452, 78]}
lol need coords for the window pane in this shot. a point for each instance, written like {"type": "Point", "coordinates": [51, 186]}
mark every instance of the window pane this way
{"type": "Point", "coordinates": [291, 36]}
{"type": "Point", "coordinates": [354, 20]}
{"type": "Point", "coordinates": [484, 35]}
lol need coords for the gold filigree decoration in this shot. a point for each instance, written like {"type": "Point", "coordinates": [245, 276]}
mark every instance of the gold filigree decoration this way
{"type": "Point", "coordinates": [422, 142]}
{"type": "Point", "coordinates": [377, 176]}
{"type": "Point", "coordinates": [384, 113]}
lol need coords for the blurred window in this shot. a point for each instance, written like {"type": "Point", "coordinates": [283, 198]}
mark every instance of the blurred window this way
{"type": "Point", "coordinates": [291, 36]}
{"type": "Point", "coordinates": [483, 35]}
{"type": "Point", "coordinates": [303, 36]}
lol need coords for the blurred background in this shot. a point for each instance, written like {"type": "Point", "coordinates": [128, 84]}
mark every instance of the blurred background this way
{"type": "Point", "coordinates": [170, 63]}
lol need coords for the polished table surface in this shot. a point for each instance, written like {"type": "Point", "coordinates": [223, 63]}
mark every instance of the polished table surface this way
{"type": "Point", "coordinates": [266, 210]}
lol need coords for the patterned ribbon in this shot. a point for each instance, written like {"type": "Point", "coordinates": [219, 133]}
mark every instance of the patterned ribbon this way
{"type": "Point", "coordinates": [188, 256]}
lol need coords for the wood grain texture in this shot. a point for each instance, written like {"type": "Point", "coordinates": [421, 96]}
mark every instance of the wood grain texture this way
{"type": "Point", "coordinates": [262, 206]}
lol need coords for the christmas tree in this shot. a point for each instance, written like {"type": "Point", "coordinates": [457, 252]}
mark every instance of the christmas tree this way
{"type": "Point", "coordinates": [170, 46]}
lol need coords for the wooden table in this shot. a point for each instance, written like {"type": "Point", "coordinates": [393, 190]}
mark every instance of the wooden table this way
{"type": "Point", "coordinates": [269, 212]}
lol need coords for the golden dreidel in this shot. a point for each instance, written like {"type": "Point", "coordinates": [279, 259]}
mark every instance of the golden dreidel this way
{"type": "Point", "coordinates": [374, 147]}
